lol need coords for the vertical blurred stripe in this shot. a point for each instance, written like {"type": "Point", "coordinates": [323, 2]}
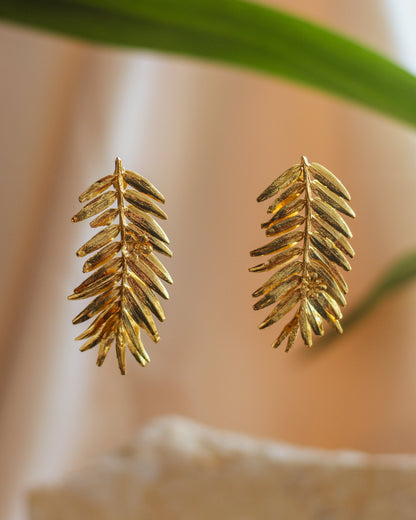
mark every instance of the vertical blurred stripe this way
{"type": "Point", "coordinates": [401, 16]}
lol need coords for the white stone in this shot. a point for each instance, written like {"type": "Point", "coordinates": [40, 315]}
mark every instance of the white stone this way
{"type": "Point", "coordinates": [176, 469]}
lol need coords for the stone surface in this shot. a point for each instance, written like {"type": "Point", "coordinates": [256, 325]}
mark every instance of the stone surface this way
{"type": "Point", "coordinates": [176, 469]}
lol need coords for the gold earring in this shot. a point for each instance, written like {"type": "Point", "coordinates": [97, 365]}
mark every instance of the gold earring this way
{"type": "Point", "coordinates": [307, 273]}
{"type": "Point", "coordinates": [126, 271]}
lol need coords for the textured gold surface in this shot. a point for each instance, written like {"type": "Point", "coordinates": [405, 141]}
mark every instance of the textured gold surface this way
{"type": "Point", "coordinates": [124, 286]}
{"type": "Point", "coordinates": [308, 274]}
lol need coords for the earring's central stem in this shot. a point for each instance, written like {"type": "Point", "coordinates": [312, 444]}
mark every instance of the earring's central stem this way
{"type": "Point", "coordinates": [122, 223]}
{"type": "Point", "coordinates": [306, 244]}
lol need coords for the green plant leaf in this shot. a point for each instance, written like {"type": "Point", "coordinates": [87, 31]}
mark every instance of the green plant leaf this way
{"type": "Point", "coordinates": [399, 273]}
{"type": "Point", "coordinates": [235, 32]}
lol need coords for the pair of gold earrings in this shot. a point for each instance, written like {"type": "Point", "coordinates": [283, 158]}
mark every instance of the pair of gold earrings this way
{"type": "Point", "coordinates": [311, 240]}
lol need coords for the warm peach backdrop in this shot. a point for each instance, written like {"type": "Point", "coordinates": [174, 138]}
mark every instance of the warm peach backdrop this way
{"type": "Point", "coordinates": [210, 138]}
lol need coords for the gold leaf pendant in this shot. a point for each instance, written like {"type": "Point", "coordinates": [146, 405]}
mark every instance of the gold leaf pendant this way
{"type": "Point", "coordinates": [306, 209]}
{"type": "Point", "coordinates": [126, 271]}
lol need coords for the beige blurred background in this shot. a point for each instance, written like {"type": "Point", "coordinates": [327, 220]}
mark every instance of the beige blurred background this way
{"type": "Point", "coordinates": [211, 138]}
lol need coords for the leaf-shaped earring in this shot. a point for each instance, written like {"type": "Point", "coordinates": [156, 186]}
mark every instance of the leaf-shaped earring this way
{"type": "Point", "coordinates": [127, 272]}
{"type": "Point", "coordinates": [306, 208]}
